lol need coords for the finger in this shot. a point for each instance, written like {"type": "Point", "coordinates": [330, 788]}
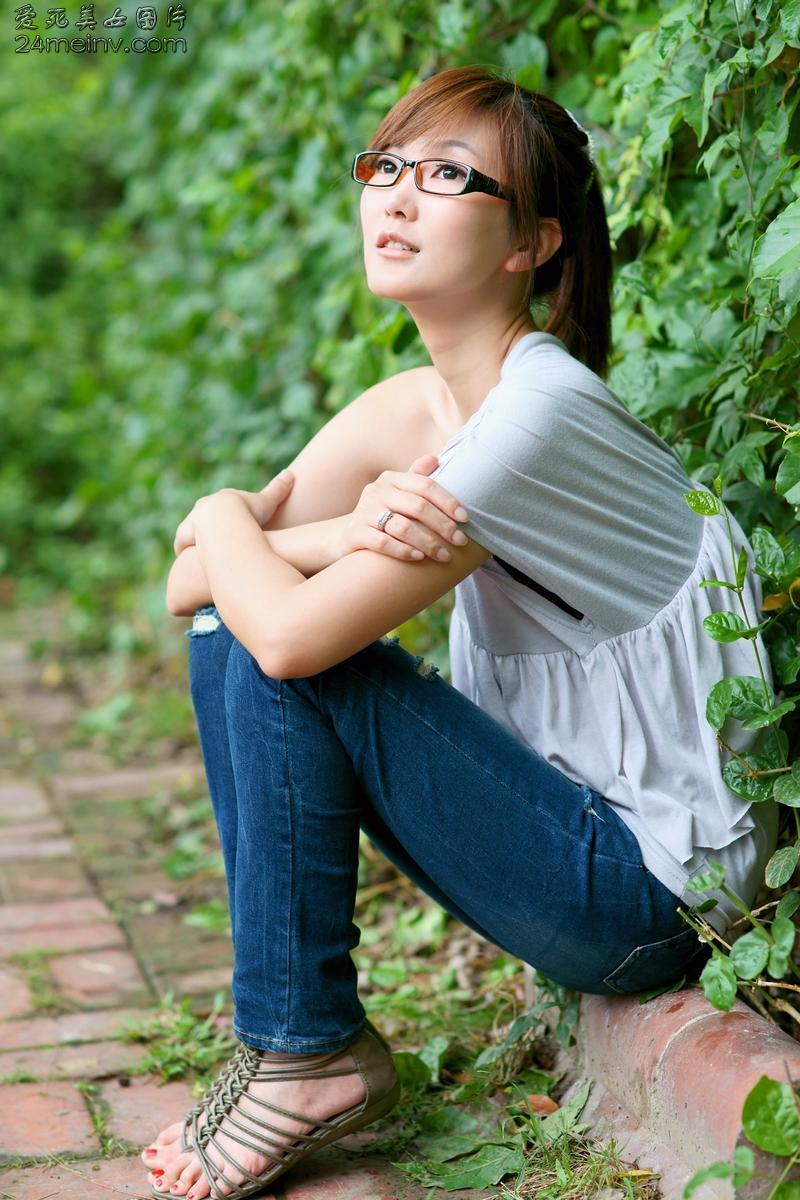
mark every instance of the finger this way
{"type": "Point", "coordinates": [434, 528]}
{"type": "Point", "coordinates": [385, 543]}
{"type": "Point", "coordinates": [424, 464]}
{"type": "Point", "coordinates": [432, 491]}
{"type": "Point", "coordinates": [282, 482]}
{"type": "Point", "coordinates": [405, 525]}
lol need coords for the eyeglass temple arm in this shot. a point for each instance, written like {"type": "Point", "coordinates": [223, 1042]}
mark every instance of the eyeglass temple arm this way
{"type": "Point", "coordinates": [478, 181]}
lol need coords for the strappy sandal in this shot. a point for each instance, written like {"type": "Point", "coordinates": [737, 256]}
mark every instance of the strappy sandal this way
{"type": "Point", "coordinates": [373, 1061]}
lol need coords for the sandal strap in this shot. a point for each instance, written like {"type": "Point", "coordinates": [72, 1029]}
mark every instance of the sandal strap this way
{"type": "Point", "coordinates": [226, 1121]}
{"type": "Point", "coordinates": [253, 1068]}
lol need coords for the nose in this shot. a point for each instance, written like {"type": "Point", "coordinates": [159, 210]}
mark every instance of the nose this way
{"type": "Point", "coordinates": [402, 195]}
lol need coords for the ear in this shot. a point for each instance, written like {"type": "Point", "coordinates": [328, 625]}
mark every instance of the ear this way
{"type": "Point", "coordinates": [550, 238]}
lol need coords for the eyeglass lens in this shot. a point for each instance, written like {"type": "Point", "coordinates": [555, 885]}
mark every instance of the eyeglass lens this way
{"type": "Point", "coordinates": [433, 174]}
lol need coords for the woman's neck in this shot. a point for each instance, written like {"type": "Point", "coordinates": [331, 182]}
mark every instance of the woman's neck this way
{"type": "Point", "coordinates": [470, 367]}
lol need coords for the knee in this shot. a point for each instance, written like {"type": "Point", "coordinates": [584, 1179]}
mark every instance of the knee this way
{"type": "Point", "coordinates": [243, 676]}
{"type": "Point", "coordinates": [209, 643]}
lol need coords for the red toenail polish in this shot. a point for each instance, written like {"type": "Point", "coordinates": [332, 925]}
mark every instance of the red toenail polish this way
{"type": "Point", "coordinates": [151, 1152]}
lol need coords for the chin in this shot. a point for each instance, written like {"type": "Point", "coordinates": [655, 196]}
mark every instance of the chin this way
{"type": "Point", "coordinates": [391, 286]}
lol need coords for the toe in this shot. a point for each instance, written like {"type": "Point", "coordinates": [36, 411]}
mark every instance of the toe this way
{"type": "Point", "coordinates": [199, 1190]}
{"type": "Point", "coordinates": [174, 1169]}
{"type": "Point", "coordinates": [187, 1178]}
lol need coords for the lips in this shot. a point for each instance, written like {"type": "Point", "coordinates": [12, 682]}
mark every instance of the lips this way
{"type": "Point", "coordinates": [384, 237]}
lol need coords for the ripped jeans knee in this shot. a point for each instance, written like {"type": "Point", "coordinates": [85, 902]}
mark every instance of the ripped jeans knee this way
{"type": "Point", "coordinates": [206, 621]}
{"type": "Point", "coordinates": [426, 670]}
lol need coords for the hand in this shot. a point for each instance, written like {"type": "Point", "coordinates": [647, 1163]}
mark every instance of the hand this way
{"type": "Point", "coordinates": [262, 505]}
{"type": "Point", "coordinates": [423, 520]}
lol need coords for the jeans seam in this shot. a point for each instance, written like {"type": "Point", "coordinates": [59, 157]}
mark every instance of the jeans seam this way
{"type": "Point", "coordinates": [292, 841]}
{"type": "Point", "coordinates": [301, 1041]}
{"type": "Point", "coordinates": [481, 767]}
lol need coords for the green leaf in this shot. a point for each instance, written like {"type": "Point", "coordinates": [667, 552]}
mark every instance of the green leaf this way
{"type": "Point", "coordinates": [777, 251]}
{"type": "Point", "coordinates": [788, 904]}
{"type": "Point", "coordinates": [728, 627]}
{"type": "Point", "coordinates": [738, 696]}
{"type": "Point", "coordinates": [719, 982]}
{"type": "Point", "coordinates": [781, 866]}
{"type": "Point", "coordinates": [413, 1072]}
{"type": "Point", "coordinates": [717, 1170]}
{"type": "Point", "coordinates": [432, 1054]}
{"type": "Point", "coordinates": [770, 1119]}
{"type": "Point", "coordinates": [749, 954]}
{"type": "Point", "coordinates": [787, 790]}
{"type": "Point", "coordinates": [741, 567]}
{"type": "Point", "coordinates": [717, 583]}
{"type": "Point", "coordinates": [744, 1164]}
{"type": "Point", "coordinates": [704, 503]}
{"type": "Point", "coordinates": [770, 558]}
{"type": "Point", "coordinates": [787, 481]}
{"type": "Point", "coordinates": [518, 1028]}
{"type": "Point", "coordinates": [483, 1169]}
{"type": "Point", "coordinates": [783, 932]}
{"type": "Point", "coordinates": [749, 787]}
{"type": "Point", "coordinates": [564, 1119]}
{"type": "Point", "coordinates": [707, 880]}
{"type": "Point", "coordinates": [766, 717]}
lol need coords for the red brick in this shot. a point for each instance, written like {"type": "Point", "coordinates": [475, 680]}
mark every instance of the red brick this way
{"type": "Point", "coordinates": [25, 831]}
{"type": "Point", "coordinates": [12, 653]}
{"type": "Point", "coordinates": [69, 937]}
{"type": "Point", "coordinates": [46, 916]}
{"type": "Point", "coordinates": [142, 1109]}
{"type": "Point", "coordinates": [687, 1067]}
{"type": "Point", "coordinates": [329, 1175]}
{"type": "Point", "coordinates": [198, 983]}
{"type": "Point", "coordinates": [49, 709]}
{"type": "Point", "coordinates": [34, 848]}
{"type": "Point", "coordinates": [61, 878]}
{"type": "Point", "coordinates": [44, 1118]}
{"type": "Point", "coordinates": [70, 1028]}
{"type": "Point", "coordinates": [129, 782]}
{"type": "Point", "coordinates": [104, 977]}
{"type": "Point", "coordinates": [15, 996]}
{"type": "Point", "coordinates": [92, 1060]}
{"type": "Point", "coordinates": [22, 800]}
{"type": "Point", "coordinates": [103, 1180]}
{"type": "Point", "coordinates": [18, 675]}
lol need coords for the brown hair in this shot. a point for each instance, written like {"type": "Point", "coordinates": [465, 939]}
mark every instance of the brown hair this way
{"type": "Point", "coordinates": [547, 168]}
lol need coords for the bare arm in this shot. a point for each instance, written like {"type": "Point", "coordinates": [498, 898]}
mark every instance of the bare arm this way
{"type": "Point", "coordinates": [330, 473]}
{"type": "Point", "coordinates": [309, 548]}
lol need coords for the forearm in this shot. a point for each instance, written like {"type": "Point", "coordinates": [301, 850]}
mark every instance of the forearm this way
{"type": "Point", "coordinates": [308, 548]}
{"type": "Point", "coordinates": [251, 584]}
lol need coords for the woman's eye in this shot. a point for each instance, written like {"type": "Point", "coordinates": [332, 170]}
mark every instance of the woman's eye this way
{"type": "Point", "coordinates": [385, 162]}
{"type": "Point", "coordinates": [455, 172]}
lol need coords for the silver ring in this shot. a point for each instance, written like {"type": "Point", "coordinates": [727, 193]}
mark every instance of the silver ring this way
{"type": "Point", "coordinates": [383, 518]}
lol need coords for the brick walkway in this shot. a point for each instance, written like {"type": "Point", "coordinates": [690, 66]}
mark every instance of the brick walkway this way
{"type": "Point", "coordinates": [84, 946]}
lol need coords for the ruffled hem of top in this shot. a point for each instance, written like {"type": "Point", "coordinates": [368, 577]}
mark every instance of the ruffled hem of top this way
{"type": "Point", "coordinates": [630, 713]}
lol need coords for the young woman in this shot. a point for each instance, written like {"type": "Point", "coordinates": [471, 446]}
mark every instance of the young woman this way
{"type": "Point", "coordinates": [558, 797]}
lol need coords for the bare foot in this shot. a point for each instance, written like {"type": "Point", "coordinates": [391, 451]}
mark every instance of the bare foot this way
{"type": "Point", "coordinates": [175, 1172]}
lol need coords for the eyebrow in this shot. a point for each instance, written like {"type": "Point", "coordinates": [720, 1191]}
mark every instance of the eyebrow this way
{"type": "Point", "coordinates": [442, 145]}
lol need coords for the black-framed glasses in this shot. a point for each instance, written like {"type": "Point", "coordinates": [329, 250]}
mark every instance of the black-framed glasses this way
{"type": "Point", "coordinates": [441, 176]}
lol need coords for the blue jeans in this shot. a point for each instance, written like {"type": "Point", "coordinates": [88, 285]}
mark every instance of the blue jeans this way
{"type": "Point", "coordinates": [537, 864]}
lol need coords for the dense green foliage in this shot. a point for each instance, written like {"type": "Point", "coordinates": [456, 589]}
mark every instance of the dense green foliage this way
{"type": "Point", "coordinates": [183, 302]}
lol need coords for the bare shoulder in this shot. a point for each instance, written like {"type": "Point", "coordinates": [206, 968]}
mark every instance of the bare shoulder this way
{"type": "Point", "coordinates": [409, 403]}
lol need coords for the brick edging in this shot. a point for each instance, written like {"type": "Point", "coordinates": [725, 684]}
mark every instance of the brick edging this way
{"type": "Point", "coordinates": [681, 1069]}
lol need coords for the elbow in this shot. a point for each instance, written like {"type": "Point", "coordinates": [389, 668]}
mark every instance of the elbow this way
{"type": "Point", "coordinates": [272, 657]}
{"type": "Point", "coordinates": [175, 605]}
{"type": "Point", "coordinates": [273, 664]}
{"type": "Point", "coordinates": [284, 658]}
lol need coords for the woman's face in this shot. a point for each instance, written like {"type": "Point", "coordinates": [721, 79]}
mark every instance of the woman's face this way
{"type": "Point", "coordinates": [462, 241]}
